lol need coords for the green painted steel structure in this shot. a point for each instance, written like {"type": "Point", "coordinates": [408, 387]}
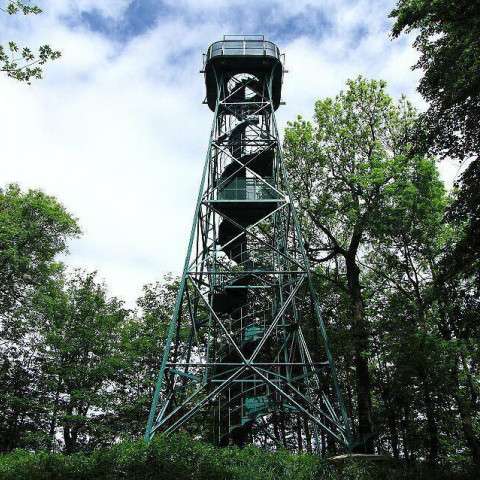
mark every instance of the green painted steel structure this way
{"type": "Point", "coordinates": [236, 351]}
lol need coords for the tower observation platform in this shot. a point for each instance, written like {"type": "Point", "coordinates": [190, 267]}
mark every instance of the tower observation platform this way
{"type": "Point", "coordinates": [240, 54]}
{"type": "Point", "coordinates": [246, 351]}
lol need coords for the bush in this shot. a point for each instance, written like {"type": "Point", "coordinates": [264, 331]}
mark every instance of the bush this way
{"type": "Point", "coordinates": [181, 458]}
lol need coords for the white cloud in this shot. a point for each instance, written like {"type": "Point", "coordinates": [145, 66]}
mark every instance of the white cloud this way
{"type": "Point", "coordinates": [112, 9]}
{"type": "Point", "coordinates": [118, 132]}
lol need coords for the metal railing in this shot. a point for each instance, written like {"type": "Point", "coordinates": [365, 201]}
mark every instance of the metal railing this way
{"type": "Point", "coordinates": [250, 189]}
{"type": "Point", "coordinates": [240, 45]}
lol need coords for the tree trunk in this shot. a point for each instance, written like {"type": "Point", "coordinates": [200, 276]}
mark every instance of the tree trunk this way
{"type": "Point", "coordinates": [282, 432]}
{"type": "Point", "coordinates": [408, 450]}
{"type": "Point", "coordinates": [331, 446]}
{"type": "Point", "coordinates": [69, 447]}
{"type": "Point", "coordinates": [404, 428]}
{"type": "Point", "coordinates": [53, 420]}
{"type": "Point", "coordinates": [276, 432]}
{"type": "Point", "coordinates": [360, 346]}
{"type": "Point", "coordinates": [299, 434]}
{"type": "Point", "coordinates": [323, 443]}
{"type": "Point", "coordinates": [350, 394]}
{"type": "Point", "coordinates": [69, 434]}
{"type": "Point", "coordinates": [391, 419]}
{"type": "Point", "coordinates": [308, 435]}
{"type": "Point", "coordinates": [464, 405]}
{"type": "Point", "coordinates": [465, 410]}
{"type": "Point", "coordinates": [433, 442]}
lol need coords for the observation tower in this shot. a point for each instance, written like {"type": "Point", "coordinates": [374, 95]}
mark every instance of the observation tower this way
{"type": "Point", "coordinates": [246, 348]}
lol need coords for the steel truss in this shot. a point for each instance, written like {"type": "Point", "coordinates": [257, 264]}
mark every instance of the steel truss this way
{"type": "Point", "coordinates": [236, 349]}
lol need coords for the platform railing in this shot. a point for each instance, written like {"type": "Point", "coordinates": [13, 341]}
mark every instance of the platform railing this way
{"type": "Point", "coordinates": [250, 189]}
{"type": "Point", "coordinates": [243, 45]}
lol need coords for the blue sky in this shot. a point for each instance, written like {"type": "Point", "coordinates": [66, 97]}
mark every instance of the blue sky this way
{"type": "Point", "coordinates": [139, 16]}
{"type": "Point", "coordinates": [117, 131]}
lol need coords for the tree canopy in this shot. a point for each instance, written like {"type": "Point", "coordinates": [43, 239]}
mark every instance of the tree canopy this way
{"type": "Point", "coordinates": [357, 183]}
{"type": "Point", "coordinates": [448, 40]}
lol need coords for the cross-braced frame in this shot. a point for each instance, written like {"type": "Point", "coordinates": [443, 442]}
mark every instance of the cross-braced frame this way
{"type": "Point", "coordinates": [239, 344]}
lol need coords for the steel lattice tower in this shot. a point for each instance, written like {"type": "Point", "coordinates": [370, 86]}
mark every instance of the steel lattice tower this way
{"type": "Point", "coordinates": [236, 349]}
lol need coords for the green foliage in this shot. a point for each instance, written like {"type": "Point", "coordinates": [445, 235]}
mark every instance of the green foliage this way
{"type": "Point", "coordinates": [373, 209]}
{"type": "Point", "coordinates": [448, 42]}
{"type": "Point", "coordinates": [18, 6]}
{"type": "Point", "coordinates": [347, 166]}
{"type": "Point", "coordinates": [356, 178]}
{"type": "Point", "coordinates": [21, 63]}
{"type": "Point", "coordinates": [142, 343]}
{"type": "Point", "coordinates": [180, 458]}
{"type": "Point", "coordinates": [77, 369]}
{"type": "Point", "coordinates": [447, 37]}
{"type": "Point", "coordinates": [34, 228]}
{"type": "Point", "coordinates": [462, 257]}
{"type": "Point", "coordinates": [62, 356]}
{"type": "Point", "coordinates": [448, 33]}
{"type": "Point", "coordinates": [80, 328]}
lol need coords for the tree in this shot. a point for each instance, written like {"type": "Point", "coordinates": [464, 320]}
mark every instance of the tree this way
{"type": "Point", "coordinates": [142, 342]}
{"type": "Point", "coordinates": [80, 343]}
{"type": "Point", "coordinates": [76, 368]}
{"type": "Point", "coordinates": [462, 257]}
{"type": "Point", "coordinates": [403, 260]}
{"type": "Point", "coordinates": [345, 169]}
{"type": "Point", "coordinates": [449, 46]}
{"type": "Point", "coordinates": [21, 63]}
{"type": "Point", "coordinates": [34, 228]}
{"type": "Point", "coordinates": [448, 40]}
